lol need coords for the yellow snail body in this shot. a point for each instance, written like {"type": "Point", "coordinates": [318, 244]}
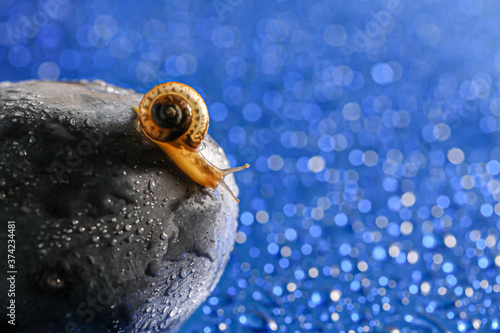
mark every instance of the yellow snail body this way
{"type": "Point", "coordinates": [175, 117]}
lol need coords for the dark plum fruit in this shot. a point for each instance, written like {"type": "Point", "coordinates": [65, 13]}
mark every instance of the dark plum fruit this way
{"type": "Point", "coordinates": [110, 236]}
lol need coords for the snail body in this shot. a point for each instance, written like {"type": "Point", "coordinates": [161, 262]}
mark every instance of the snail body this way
{"type": "Point", "coordinates": [175, 117]}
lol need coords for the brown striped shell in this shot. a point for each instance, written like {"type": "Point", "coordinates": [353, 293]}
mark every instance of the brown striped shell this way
{"type": "Point", "coordinates": [193, 124]}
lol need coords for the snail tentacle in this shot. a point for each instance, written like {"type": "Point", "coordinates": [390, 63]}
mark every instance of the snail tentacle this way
{"type": "Point", "coordinates": [228, 190]}
{"type": "Point", "coordinates": [235, 169]}
{"type": "Point", "coordinates": [228, 171]}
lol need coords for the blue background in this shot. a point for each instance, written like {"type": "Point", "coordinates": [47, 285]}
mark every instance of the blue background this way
{"type": "Point", "coordinates": [371, 127]}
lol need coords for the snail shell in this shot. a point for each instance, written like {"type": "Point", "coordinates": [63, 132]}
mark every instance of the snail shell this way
{"type": "Point", "coordinates": [175, 117]}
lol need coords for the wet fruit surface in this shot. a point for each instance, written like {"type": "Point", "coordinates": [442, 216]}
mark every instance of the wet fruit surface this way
{"type": "Point", "coordinates": [111, 236]}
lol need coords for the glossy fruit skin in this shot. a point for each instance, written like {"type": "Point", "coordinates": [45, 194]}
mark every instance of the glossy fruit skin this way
{"type": "Point", "coordinates": [110, 235]}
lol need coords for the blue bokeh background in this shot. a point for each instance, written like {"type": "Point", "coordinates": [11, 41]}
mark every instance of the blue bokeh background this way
{"type": "Point", "coordinates": [372, 204]}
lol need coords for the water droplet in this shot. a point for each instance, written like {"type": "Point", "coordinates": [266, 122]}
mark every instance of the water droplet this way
{"type": "Point", "coordinates": [89, 123]}
{"type": "Point", "coordinates": [152, 323]}
{"type": "Point", "coordinates": [28, 98]}
{"type": "Point", "coordinates": [54, 281]}
{"type": "Point", "coordinates": [152, 185]}
{"type": "Point", "coordinates": [172, 288]}
{"type": "Point", "coordinates": [173, 312]}
{"type": "Point", "coordinates": [153, 269]}
{"type": "Point", "coordinates": [185, 272]}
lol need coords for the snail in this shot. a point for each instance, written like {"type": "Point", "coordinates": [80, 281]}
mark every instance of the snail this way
{"type": "Point", "coordinates": [175, 117]}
